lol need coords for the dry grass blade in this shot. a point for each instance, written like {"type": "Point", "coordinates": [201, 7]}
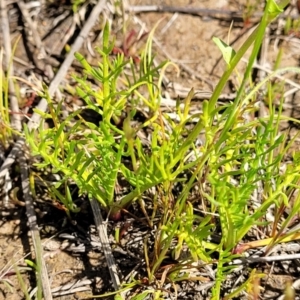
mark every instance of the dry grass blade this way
{"type": "Point", "coordinates": [16, 117]}
{"type": "Point", "coordinates": [32, 221]}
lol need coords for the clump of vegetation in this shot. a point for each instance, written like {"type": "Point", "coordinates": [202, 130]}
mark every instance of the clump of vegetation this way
{"type": "Point", "coordinates": [235, 172]}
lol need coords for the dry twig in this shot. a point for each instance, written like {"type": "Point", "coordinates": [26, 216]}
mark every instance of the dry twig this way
{"type": "Point", "coordinates": [199, 11]}
{"type": "Point", "coordinates": [101, 228]}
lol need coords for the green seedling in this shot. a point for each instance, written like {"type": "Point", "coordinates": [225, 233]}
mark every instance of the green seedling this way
{"type": "Point", "coordinates": [227, 51]}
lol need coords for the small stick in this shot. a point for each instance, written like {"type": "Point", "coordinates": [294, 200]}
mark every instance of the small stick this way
{"type": "Point", "coordinates": [105, 245]}
{"type": "Point", "coordinates": [198, 11]}
{"type": "Point", "coordinates": [188, 10]}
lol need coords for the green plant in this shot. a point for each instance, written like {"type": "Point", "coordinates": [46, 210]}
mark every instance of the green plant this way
{"type": "Point", "coordinates": [237, 155]}
{"type": "Point", "coordinates": [10, 268]}
{"type": "Point", "coordinates": [292, 27]}
{"type": "Point", "coordinates": [76, 4]}
{"type": "Point", "coordinates": [235, 172]}
{"type": "Point", "coordinates": [6, 130]}
{"type": "Point", "coordinates": [94, 160]}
